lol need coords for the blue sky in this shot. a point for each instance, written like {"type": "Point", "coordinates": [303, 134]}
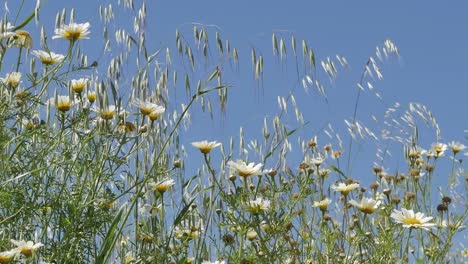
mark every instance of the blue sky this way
{"type": "Point", "coordinates": [431, 36]}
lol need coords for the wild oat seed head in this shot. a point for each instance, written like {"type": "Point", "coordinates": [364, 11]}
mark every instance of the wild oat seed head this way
{"type": "Point", "coordinates": [73, 31]}
{"type": "Point", "coordinates": [409, 219]}
{"type": "Point", "coordinates": [205, 147]}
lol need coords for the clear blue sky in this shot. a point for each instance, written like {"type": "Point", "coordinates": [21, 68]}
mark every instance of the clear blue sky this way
{"type": "Point", "coordinates": [432, 38]}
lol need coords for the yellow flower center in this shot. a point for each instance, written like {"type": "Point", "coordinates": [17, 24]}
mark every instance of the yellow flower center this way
{"type": "Point", "coordinates": [161, 188]}
{"type": "Point", "coordinates": [145, 110]}
{"type": "Point", "coordinates": [412, 221]}
{"type": "Point", "coordinates": [5, 259]}
{"type": "Point", "coordinates": [153, 116]}
{"type": "Point", "coordinates": [107, 115]}
{"type": "Point", "coordinates": [26, 251]}
{"type": "Point", "coordinates": [63, 106]}
{"type": "Point", "coordinates": [72, 35]}
{"type": "Point", "coordinates": [79, 87]}
{"type": "Point", "coordinates": [47, 60]}
{"type": "Point", "coordinates": [367, 210]}
{"type": "Point", "coordinates": [205, 149]}
{"type": "Point", "coordinates": [91, 97]}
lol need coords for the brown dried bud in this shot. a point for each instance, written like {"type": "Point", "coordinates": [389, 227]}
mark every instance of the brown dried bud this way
{"type": "Point", "coordinates": [374, 186]}
{"type": "Point", "coordinates": [442, 207]}
{"type": "Point", "coordinates": [446, 200]}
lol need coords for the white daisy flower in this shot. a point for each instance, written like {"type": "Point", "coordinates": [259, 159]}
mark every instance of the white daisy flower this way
{"type": "Point", "coordinates": [258, 205]}
{"type": "Point", "coordinates": [27, 248]}
{"type": "Point", "coordinates": [245, 170]}
{"type": "Point", "coordinates": [73, 31]}
{"type": "Point", "coordinates": [205, 147]}
{"type": "Point", "coordinates": [367, 205]}
{"type": "Point", "coordinates": [410, 219]}
{"type": "Point", "coordinates": [344, 188]}
{"type": "Point", "coordinates": [163, 185]}
{"type": "Point", "coordinates": [48, 58]}
{"type": "Point", "coordinates": [323, 204]}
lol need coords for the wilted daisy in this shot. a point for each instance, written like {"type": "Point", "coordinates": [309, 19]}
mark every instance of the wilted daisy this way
{"type": "Point", "coordinates": [63, 103]}
{"type": "Point", "coordinates": [27, 248]}
{"type": "Point", "coordinates": [7, 256]}
{"type": "Point", "coordinates": [323, 204]}
{"type": "Point", "coordinates": [163, 185]}
{"type": "Point", "coordinates": [205, 147]}
{"type": "Point", "coordinates": [73, 31]}
{"type": "Point", "coordinates": [48, 58]}
{"type": "Point", "coordinates": [245, 170]}
{"type": "Point", "coordinates": [367, 205]}
{"type": "Point", "coordinates": [456, 147]}
{"type": "Point", "coordinates": [439, 149]}
{"type": "Point", "coordinates": [22, 39]}
{"type": "Point", "coordinates": [344, 188]}
{"type": "Point", "coordinates": [258, 205]}
{"type": "Point", "coordinates": [12, 79]}
{"type": "Point", "coordinates": [410, 219]}
{"type": "Point", "coordinates": [6, 35]}
{"type": "Point", "coordinates": [78, 85]}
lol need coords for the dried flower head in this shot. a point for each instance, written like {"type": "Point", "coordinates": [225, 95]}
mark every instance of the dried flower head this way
{"type": "Point", "coordinates": [22, 39]}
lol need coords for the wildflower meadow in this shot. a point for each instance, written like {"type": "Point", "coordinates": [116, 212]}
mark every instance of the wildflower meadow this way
{"type": "Point", "coordinates": [114, 148]}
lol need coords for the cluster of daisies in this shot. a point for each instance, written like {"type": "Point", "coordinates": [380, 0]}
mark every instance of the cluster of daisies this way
{"type": "Point", "coordinates": [80, 93]}
{"type": "Point", "coordinates": [407, 217]}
